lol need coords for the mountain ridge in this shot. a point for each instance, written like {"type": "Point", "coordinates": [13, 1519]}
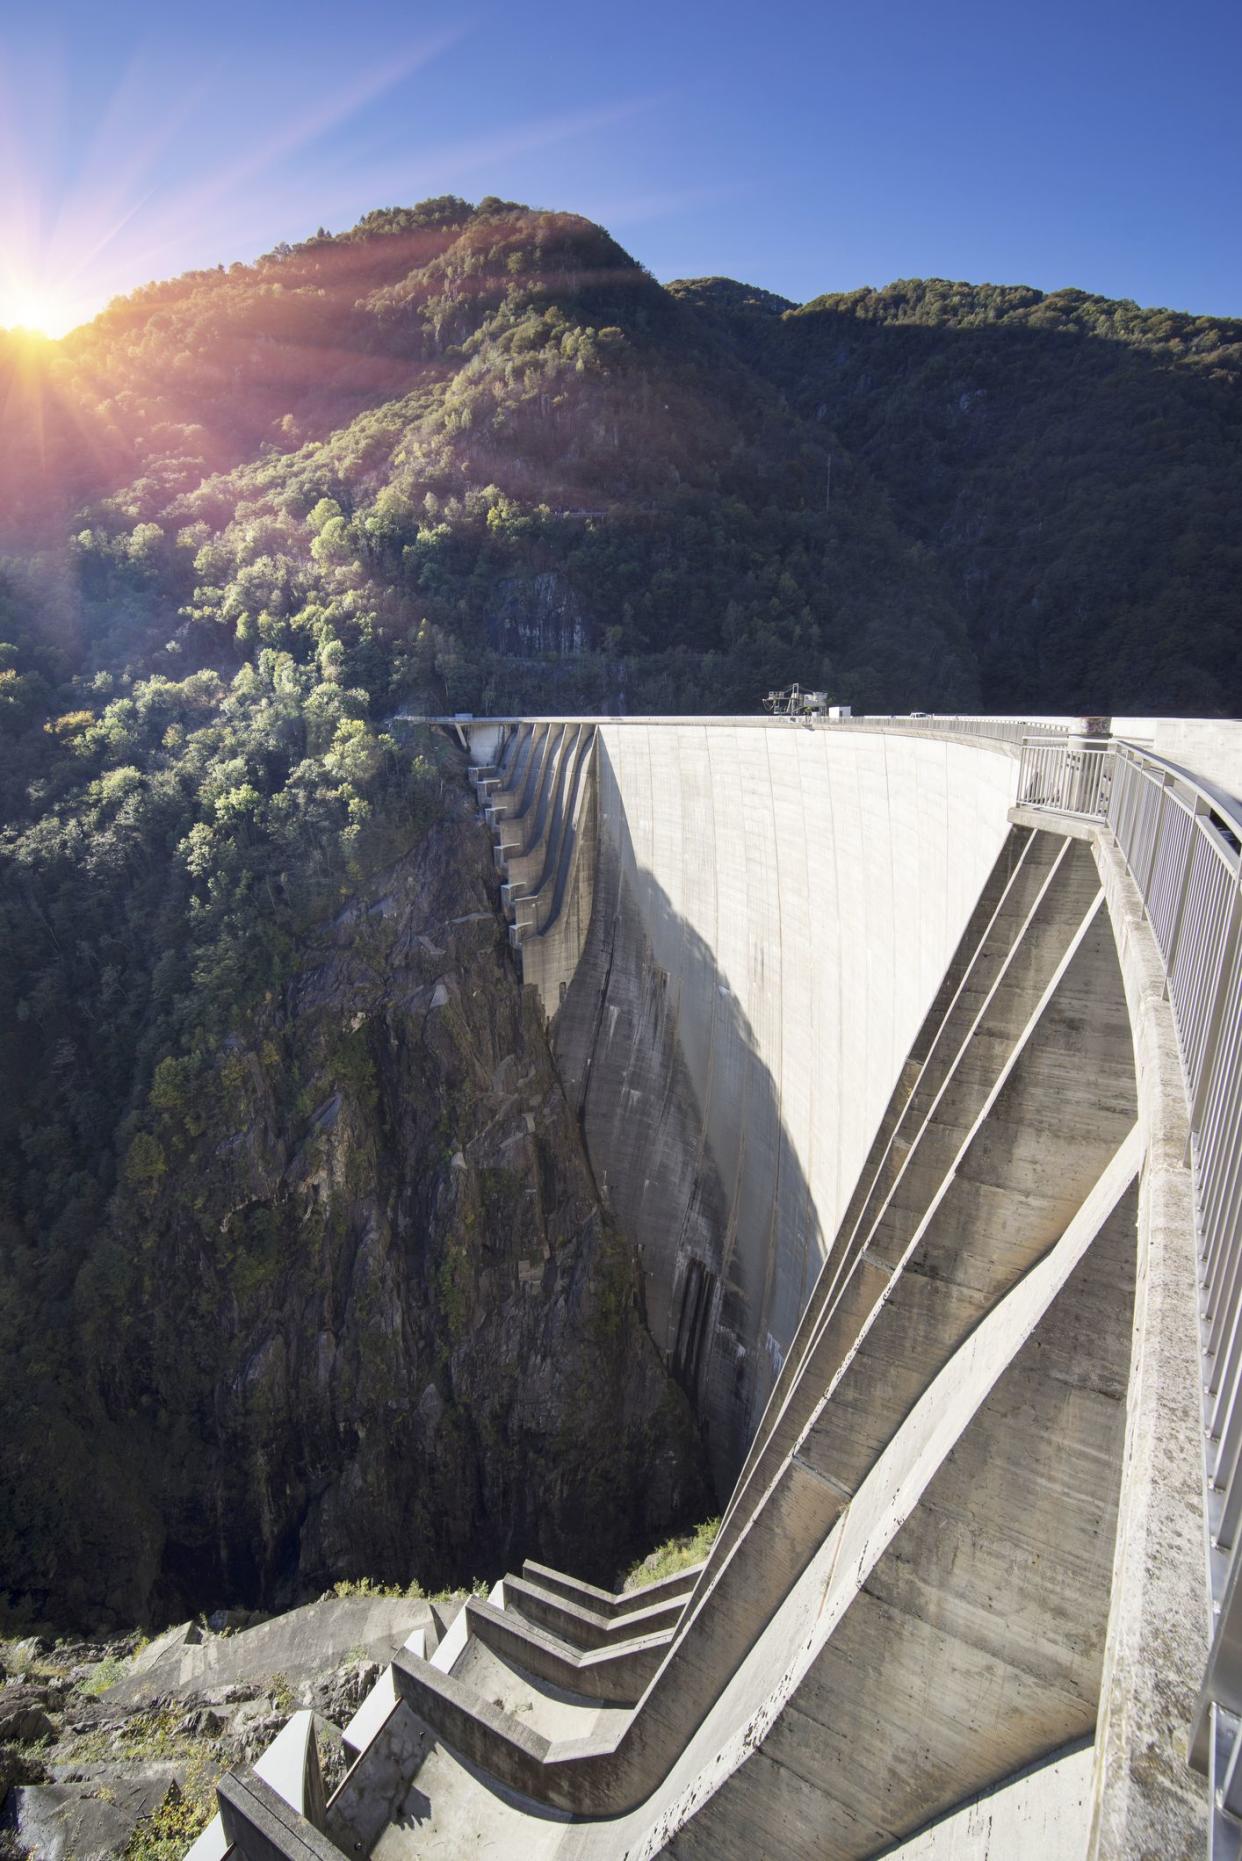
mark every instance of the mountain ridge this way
{"type": "Point", "coordinates": [223, 372]}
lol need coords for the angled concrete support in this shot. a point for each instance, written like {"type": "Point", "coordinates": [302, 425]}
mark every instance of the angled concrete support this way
{"type": "Point", "coordinates": [884, 1085]}
{"type": "Point", "coordinates": [617, 1675]}
{"type": "Point", "coordinates": [612, 1602]}
{"type": "Point", "coordinates": [585, 1628]}
{"type": "Point", "coordinates": [260, 1826]}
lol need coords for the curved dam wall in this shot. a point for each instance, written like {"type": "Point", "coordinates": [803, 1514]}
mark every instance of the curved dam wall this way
{"type": "Point", "coordinates": [956, 1602]}
{"type": "Point", "coordinates": [763, 916]}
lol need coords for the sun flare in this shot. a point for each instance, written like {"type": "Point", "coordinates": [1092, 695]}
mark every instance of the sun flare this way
{"type": "Point", "coordinates": [41, 309]}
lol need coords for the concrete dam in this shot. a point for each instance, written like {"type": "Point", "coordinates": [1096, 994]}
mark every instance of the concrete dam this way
{"type": "Point", "coordinates": [908, 1054]}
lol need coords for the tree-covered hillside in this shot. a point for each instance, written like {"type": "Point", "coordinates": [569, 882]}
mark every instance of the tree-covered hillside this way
{"type": "Point", "coordinates": [458, 457]}
{"type": "Point", "coordinates": [541, 478]}
{"type": "Point", "coordinates": [1072, 465]}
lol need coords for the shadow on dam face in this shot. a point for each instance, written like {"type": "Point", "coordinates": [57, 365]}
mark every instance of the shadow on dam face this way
{"type": "Point", "coordinates": [770, 917]}
{"type": "Point", "coordinates": [709, 1185]}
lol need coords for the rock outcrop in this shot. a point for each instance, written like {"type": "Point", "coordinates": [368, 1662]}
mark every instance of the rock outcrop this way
{"type": "Point", "coordinates": [538, 615]}
{"type": "Point", "coordinates": [373, 1318]}
{"type": "Point", "coordinates": [132, 1737]}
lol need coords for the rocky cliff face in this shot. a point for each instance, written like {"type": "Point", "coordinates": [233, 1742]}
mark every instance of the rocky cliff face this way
{"type": "Point", "coordinates": [371, 1318]}
{"type": "Point", "coordinates": [538, 616]}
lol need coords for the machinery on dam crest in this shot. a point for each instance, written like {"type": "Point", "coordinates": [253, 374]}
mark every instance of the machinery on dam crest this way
{"type": "Point", "coordinates": [909, 1052]}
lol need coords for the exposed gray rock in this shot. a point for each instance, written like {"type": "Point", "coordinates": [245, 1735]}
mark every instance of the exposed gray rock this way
{"type": "Point", "coordinates": [23, 1714]}
{"type": "Point", "coordinates": [339, 1696]}
{"type": "Point", "coordinates": [32, 1648]}
{"type": "Point", "coordinates": [202, 1722]}
{"type": "Point", "coordinates": [231, 1695]}
{"type": "Point", "coordinates": [87, 1821]}
{"type": "Point", "coordinates": [153, 1740]}
{"type": "Point", "coordinates": [376, 1186]}
{"type": "Point", "coordinates": [538, 614]}
{"type": "Point", "coordinates": [405, 1204]}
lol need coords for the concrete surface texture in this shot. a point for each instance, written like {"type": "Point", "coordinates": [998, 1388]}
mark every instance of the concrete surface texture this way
{"type": "Point", "coordinates": [773, 913]}
{"type": "Point", "coordinates": [1042, 1814]}
{"type": "Point", "coordinates": [884, 1083]}
{"type": "Point", "coordinates": [302, 1641]}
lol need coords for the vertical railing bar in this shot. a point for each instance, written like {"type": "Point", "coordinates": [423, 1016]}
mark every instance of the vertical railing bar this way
{"type": "Point", "coordinates": [1155, 827]}
{"type": "Point", "coordinates": [1221, 1273]}
{"type": "Point", "coordinates": [1225, 1428]}
{"type": "Point", "coordinates": [1222, 1119]}
{"type": "Point", "coordinates": [1210, 913]}
{"type": "Point", "coordinates": [1225, 1479]}
{"type": "Point", "coordinates": [1137, 781]}
{"type": "Point", "coordinates": [1216, 1015]}
{"type": "Point", "coordinates": [1227, 1217]}
{"type": "Point", "coordinates": [1171, 877]}
{"type": "Point", "coordinates": [1213, 1238]}
{"type": "Point", "coordinates": [1225, 1138]}
{"type": "Point", "coordinates": [1217, 1107]}
{"type": "Point", "coordinates": [1225, 1329]}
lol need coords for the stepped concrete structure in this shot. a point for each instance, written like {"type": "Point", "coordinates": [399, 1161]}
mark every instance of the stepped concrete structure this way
{"type": "Point", "coordinates": [909, 1054]}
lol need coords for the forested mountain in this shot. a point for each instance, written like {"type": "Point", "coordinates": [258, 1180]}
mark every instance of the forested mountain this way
{"type": "Point", "coordinates": [458, 457]}
{"type": "Point", "coordinates": [592, 488]}
{"type": "Point", "coordinates": [1072, 464]}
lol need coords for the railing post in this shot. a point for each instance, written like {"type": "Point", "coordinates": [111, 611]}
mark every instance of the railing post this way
{"type": "Point", "coordinates": [1139, 767]}
{"type": "Point", "coordinates": [1183, 892]}
{"type": "Point", "coordinates": [1166, 782]}
{"type": "Point", "coordinates": [1217, 1022]}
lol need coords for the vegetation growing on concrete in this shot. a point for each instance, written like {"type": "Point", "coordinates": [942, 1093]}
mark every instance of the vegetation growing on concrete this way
{"type": "Point", "coordinates": [411, 1592]}
{"type": "Point", "coordinates": [679, 1553]}
{"type": "Point", "coordinates": [167, 1831]}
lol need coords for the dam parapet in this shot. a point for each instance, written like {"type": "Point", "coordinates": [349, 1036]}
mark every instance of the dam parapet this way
{"type": "Point", "coordinates": [909, 1055]}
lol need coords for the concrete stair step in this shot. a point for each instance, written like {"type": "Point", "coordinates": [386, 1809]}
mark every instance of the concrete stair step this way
{"type": "Point", "coordinates": [585, 1628]}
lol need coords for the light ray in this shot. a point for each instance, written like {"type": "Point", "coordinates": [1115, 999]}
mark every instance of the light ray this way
{"type": "Point", "coordinates": [117, 220]}
{"type": "Point", "coordinates": [496, 151]}
{"type": "Point", "coordinates": [301, 131]}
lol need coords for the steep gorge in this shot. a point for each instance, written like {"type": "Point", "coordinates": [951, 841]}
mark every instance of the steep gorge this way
{"type": "Point", "coordinates": [370, 1318]}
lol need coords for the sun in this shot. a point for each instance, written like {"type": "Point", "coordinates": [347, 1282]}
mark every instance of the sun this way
{"type": "Point", "coordinates": [39, 308]}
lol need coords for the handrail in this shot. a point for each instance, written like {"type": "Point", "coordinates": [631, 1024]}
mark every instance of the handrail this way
{"type": "Point", "coordinates": [992, 729]}
{"type": "Point", "coordinates": [1070, 775]}
{"type": "Point", "coordinates": [1181, 838]}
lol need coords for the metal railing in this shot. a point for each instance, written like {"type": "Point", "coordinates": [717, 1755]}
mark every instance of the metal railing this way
{"type": "Point", "coordinates": [1071, 775]}
{"type": "Point", "coordinates": [995, 729]}
{"type": "Point", "coordinates": [1181, 837]}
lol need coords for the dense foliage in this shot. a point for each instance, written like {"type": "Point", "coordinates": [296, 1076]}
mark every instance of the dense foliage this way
{"type": "Point", "coordinates": [1072, 466]}
{"type": "Point", "coordinates": [475, 457]}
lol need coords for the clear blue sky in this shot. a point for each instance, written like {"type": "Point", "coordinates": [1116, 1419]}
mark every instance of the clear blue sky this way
{"type": "Point", "coordinates": [805, 147]}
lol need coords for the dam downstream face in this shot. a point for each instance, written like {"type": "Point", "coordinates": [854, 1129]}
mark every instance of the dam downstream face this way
{"type": "Point", "coordinates": [760, 920]}
{"type": "Point", "coordinates": [875, 1070]}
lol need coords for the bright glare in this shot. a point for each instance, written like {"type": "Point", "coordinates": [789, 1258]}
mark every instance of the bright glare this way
{"type": "Point", "coordinates": [39, 308]}
{"type": "Point", "coordinates": [87, 212]}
